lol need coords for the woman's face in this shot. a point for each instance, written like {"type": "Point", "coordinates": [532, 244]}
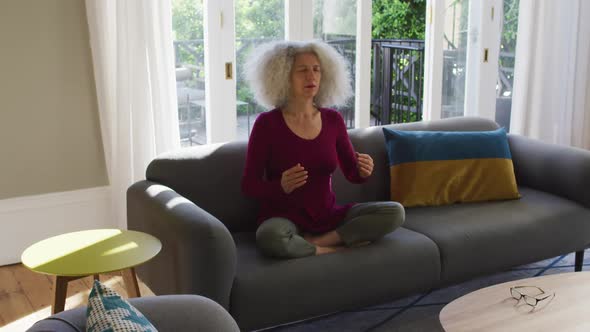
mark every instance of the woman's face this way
{"type": "Point", "coordinates": [306, 74]}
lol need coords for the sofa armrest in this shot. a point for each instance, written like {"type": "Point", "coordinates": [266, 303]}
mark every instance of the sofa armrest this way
{"type": "Point", "coordinates": [557, 169]}
{"type": "Point", "coordinates": [166, 313]}
{"type": "Point", "coordinates": [198, 252]}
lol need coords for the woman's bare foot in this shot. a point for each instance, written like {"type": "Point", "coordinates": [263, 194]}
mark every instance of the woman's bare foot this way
{"type": "Point", "coordinates": [309, 238]}
{"type": "Point", "coordinates": [327, 250]}
{"type": "Point", "coordinates": [360, 244]}
{"type": "Point", "coordinates": [329, 239]}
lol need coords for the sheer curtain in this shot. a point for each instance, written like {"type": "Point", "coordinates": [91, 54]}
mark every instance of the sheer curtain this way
{"type": "Point", "coordinates": [133, 58]}
{"type": "Point", "coordinates": [551, 98]}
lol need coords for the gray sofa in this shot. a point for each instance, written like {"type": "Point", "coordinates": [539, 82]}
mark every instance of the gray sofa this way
{"type": "Point", "coordinates": [192, 202]}
{"type": "Point", "coordinates": [168, 313]}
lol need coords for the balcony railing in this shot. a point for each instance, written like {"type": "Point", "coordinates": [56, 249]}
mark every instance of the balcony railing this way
{"type": "Point", "coordinates": [397, 80]}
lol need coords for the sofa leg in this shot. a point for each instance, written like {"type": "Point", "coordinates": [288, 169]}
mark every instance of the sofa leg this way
{"type": "Point", "coordinates": [579, 260]}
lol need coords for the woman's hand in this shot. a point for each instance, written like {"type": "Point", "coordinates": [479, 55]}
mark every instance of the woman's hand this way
{"type": "Point", "coordinates": [293, 178]}
{"type": "Point", "coordinates": [365, 164]}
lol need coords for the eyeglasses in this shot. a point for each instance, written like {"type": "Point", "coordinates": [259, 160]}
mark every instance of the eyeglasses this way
{"type": "Point", "coordinates": [531, 300]}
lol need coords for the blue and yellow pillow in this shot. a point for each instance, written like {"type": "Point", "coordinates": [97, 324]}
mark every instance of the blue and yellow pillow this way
{"type": "Point", "coordinates": [442, 167]}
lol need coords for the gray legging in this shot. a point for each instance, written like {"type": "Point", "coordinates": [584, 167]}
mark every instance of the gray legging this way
{"type": "Point", "coordinates": [279, 237]}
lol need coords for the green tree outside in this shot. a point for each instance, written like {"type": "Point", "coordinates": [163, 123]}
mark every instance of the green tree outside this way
{"type": "Point", "coordinates": [256, 23]}
{"type": "Point", "coordinates": [399, 19]}
{"type": "Point", "coordinates": [255, 20]}
{"type": "Point", "coordinates": [403, 19]}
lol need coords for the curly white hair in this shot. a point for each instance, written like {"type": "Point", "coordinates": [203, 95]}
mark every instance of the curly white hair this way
{"type": "Point", "coordinates": [268, 69]}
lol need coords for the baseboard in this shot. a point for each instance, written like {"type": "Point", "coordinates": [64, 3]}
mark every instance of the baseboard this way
{"type": "Point", "coordinates": [26, 220]}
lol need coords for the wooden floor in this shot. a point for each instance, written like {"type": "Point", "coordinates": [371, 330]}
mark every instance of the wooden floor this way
{"type": "Point", "coordinates": [25, 296]}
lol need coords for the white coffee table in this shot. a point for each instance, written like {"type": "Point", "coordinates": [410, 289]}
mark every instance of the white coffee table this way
{"type": "Point", "coordinates": [493, 308]}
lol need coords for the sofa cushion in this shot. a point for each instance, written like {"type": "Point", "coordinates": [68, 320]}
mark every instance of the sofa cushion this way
{"type": "Point", "coordinates": [353, 278]}
{"type": "Point", "coordinates": [445, 167]}
{"type": "Point", "coordinates": [479, 238]}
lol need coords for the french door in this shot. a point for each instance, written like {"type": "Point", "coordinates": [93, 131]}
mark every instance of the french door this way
{"type": "Point", "coordinates": [215, 105]}
{"type": "Point", "coordinates": [461, 61]}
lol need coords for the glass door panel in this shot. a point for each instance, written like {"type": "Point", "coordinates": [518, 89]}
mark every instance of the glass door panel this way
{"type": "Point", "coordinates": [187, 29]}
{"type": "Point", "coordinates": [470, 51]}
{"type": "Point", "coordinates": [256, 22]}
{"type": "Point", "coordinates": [506, 63]}
{"type": "Point", "coordinates": [334, 21]}
{"type": "Point", "coordinates": [455, 39]}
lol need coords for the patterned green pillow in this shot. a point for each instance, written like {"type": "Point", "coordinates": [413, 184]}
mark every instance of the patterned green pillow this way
{"type": "Point", "coordinates": [107, 311]}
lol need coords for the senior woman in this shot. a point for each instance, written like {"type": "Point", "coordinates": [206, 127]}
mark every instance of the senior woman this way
{"type": "Point", "coordinates": [294, 149]}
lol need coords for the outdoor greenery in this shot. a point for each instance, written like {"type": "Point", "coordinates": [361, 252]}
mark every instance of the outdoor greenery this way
{"type": "Point", "coordinates": [508, 44]}
{"type": "Point", "coordinates": [187, 19]}
{"type": "Point", "coordinates": [258, 21]}
{"type": "Point", "coordinates": [510, 25]}
{"type": "Point", "coordinates": [399, 19]}
{"type": "Point", "coordinates": [402, 19]}
{"type": "Point", "coordinates": [334, 19]}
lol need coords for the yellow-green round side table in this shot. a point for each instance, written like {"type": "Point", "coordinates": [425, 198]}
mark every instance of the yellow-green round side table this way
{"type": "Point", "coordinates": [76, 255]}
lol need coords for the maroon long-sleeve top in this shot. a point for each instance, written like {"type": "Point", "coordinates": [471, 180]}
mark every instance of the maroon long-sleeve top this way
{"type": "Point", "coordinates": [273, 148]}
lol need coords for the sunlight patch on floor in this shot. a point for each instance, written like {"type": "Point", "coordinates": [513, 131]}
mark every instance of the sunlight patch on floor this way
{"type": "Point", "coordinates": [73, 301]}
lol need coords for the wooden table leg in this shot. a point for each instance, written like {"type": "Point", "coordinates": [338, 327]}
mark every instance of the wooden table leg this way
{"type": "Point", "coordinates": [60, 292]}
{"type": "Point", "coordinates": [131, 284]}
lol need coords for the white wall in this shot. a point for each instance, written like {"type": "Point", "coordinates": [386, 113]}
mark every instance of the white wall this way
{"type": "Point", "coordinates": [26, 220]}
{"type": "Point", "coordinates": [52, 175]}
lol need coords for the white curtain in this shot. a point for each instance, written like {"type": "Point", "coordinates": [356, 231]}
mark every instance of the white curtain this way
{"type": "Point", "coordinates": [551, 98]}
{"type": "Point", "coordinates": [131, 43]}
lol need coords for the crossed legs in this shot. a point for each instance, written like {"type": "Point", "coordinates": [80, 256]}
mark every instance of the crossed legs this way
{"type": "Point", "coordinates": [364, 222]}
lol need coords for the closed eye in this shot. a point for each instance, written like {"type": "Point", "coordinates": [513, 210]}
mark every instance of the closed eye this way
{"type": "Point", "coordinates": [304, 69]}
